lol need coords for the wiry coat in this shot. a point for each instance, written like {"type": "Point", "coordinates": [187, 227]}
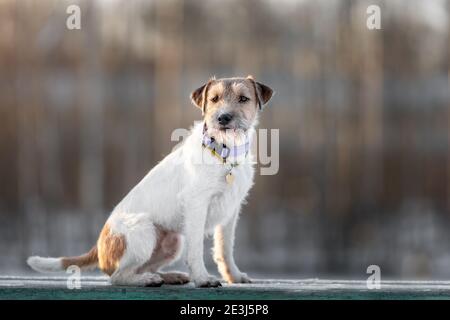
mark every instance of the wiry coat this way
{"type": "Point", "coordinates": [185, 196]}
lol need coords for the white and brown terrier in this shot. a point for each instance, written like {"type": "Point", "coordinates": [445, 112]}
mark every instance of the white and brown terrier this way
{"type": "Point", "coordinates": [197, 189]}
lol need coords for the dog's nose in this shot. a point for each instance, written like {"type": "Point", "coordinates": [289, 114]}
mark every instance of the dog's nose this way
{"type": "Point", "coordinates": [224, 118]}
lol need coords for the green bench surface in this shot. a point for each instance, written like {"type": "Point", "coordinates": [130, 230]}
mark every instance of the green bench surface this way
{"type": "Point", "coordinates": [98, 287]}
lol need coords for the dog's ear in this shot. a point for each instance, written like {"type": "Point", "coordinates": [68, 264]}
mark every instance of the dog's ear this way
{"type": "Point", "coordinates": [263, 92]}
{"type": "Point", "coordinates": [198, 96]}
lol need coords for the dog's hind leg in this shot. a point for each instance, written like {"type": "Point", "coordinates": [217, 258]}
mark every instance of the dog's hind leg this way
{"type": "Point", "coordinates": [167, 250]}
{"type": "Point", "coordinates": [137, 242]}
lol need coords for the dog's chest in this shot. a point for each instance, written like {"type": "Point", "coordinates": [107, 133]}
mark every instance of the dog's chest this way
{"type": "Point", "coordinates": [229, 195]}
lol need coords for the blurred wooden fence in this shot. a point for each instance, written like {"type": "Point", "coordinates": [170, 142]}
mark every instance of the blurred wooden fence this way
{"type": "Point", "coordinates": [363, 115]}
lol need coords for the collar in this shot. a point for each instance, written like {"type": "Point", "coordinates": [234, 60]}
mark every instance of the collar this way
{"type": "Point", "coordinates": [232, 154]}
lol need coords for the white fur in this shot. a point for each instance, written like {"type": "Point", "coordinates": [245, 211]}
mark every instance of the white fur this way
{"type": "Point", "coordinates": [44, 265]}
{"type": "Point", "coordinates": [186, 193]}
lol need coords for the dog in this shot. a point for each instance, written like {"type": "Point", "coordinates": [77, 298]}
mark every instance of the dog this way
{"type": "Point", "coordinates": [196, 190]}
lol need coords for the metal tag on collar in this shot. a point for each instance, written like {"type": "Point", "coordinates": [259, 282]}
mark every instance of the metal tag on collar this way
{"type": "Point", "coordinates": [229, 177]}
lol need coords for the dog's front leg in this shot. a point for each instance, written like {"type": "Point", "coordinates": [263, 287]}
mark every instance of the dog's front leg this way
{"type": "Point", "coordinates": [194, 233]}
{"type": "Point", "coordinates": [223, 252]}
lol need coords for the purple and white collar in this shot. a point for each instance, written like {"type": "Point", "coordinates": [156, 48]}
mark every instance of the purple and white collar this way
{"type": "Point", "coordinates": [233, 153]}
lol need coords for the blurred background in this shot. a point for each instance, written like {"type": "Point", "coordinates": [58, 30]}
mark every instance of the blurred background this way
{"type": "Point", "coordinates": [364, 120]}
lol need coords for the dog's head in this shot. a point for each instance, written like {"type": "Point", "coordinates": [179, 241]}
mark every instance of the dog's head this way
{"type": "Point", "coordinates": [231, 103]}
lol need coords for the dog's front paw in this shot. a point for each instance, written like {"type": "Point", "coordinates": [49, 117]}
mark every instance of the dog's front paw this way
{"type": "Point", "coordinates": [211, 282]}
{"type": "Point", "coordinates": [243, 278]}
{"type": "Point", "coordinates": [239, 278]}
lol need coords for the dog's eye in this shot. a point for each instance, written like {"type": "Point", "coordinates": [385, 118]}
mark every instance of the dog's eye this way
{"type": "Point", "coordinates": [215, 99]}
{"type": "Point", "coordinates": [243, 99]}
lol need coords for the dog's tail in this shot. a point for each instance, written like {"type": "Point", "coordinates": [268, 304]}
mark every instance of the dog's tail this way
{"type": "Point", "coordinates": [86, 261]}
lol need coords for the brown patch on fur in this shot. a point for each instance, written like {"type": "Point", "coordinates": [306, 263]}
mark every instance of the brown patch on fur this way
{"type": "Point", "coordinates": [85, 260]}
{"type": "Point", "coordinates": [166, 250]}
{"type": "Point", "coordinates": [219, 256]}
{"type": "Point", "coordinates": [111, 248]}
